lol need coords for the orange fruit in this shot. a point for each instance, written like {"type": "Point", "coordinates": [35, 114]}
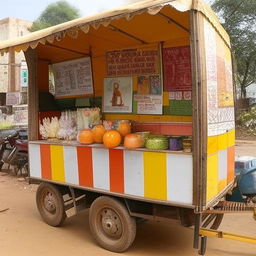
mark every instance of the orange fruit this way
{"type": "Point", "coordinates": [98, 132]}
{"type": "Point", "coordinates": [133, 140]}
{"type": "Point", "coordinates": [112, 139]}
{"type": "Point", "coordinates": [124, 128]}
{"type": "Point", "coordinates": [86, 137]}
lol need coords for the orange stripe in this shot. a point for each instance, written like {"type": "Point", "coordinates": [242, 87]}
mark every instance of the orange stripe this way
{"type": "Point", "coordinates": [231, 164]}
{"type": "Point", "coordinates": [84, 159]}
{"type": "Point", "coordinates": [46, 161]}
{"type": "Point", "coordinates": [116, 169]}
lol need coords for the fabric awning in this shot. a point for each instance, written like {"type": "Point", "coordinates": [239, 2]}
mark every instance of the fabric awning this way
{"type": "Point", "coordinates": [56, 33]}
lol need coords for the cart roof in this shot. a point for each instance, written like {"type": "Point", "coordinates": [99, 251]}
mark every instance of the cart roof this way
{"type": "Point", "coordinates": [55, 33]}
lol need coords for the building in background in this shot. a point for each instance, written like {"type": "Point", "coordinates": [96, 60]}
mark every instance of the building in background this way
{"type": "Point", "coordinates": [12, 65]}
{"type": "Point", "coordinates": [13, 75]}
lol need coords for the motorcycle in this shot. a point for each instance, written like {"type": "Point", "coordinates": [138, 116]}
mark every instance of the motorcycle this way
{"type": "Point", "coordinates": [14, 152]}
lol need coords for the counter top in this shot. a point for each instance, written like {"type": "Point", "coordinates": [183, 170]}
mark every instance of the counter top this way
{"type": "Point", "coordinates": [95, 145]}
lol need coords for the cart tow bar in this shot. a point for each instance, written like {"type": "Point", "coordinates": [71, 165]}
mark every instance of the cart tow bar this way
{"type": "Point", "coordinates": [222, 208]}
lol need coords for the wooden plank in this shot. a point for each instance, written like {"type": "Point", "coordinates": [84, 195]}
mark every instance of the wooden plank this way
{"type": "Point", "coordinates": [100, 158]}
{"type": "Point", "coordinates": [33, 98]}
{"type": "Point", "coordinates": [195, 62]}
{"type": "Point", "coordinates": [179, 179]}
{"type": "Point", "coordinates": [203, 116]}
{"type": "Point", "coordinates": [134, 173]}
{"type": "Point", "coordinates": [35, 161]}
{"type": "Point", "coordinates": [57, 163]}
{"type": "Point", "coordinates": [116, 170]}
{"type": "Point", "coordinates": [155, 175]}
{"type": "Point", "coordinates": [71, 165]}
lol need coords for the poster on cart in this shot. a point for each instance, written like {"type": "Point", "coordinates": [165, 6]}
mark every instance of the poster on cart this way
{"type": "Point", "coordinates": [73, 78]}
{"type": "Point", "coordinates": [177, 69]}
{"type": "Point", "coordinates": [149, 104]}
{"type": "Point", "coordinates": [118, 95]}
{"type": "Point", "coordinates": [132, 62]}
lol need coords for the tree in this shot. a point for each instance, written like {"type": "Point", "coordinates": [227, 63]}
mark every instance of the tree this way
{"type": "Point", "coordinates": [239, 21]}
{"type": "Point", "coordinates": [54, 14]}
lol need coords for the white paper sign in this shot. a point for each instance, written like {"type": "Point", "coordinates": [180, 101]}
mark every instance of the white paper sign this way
{"type": "Point", "coordinates": [13, 98]}
{"type": "Point", "coordinates": [73, 77]}
{"type": "Point", "coordinates": [149, 104]}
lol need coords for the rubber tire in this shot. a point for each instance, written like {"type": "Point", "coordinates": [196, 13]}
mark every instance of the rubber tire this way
{"type": "Point", "coordinates": [128, 224]}
{"type": "Point", "coordinates": [59, 217]}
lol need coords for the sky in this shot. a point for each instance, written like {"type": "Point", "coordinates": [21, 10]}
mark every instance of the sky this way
{"type": "Point", "coordinates": [31, 9]}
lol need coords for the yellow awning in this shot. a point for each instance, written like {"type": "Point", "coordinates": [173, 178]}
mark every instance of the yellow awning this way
{"type": "Point", "coordinates": [71, 28]}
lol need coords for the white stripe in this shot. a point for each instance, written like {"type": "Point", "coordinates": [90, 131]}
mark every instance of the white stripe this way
{"type": "Point", "coordinates": [100, 158]}
{"type": "Point", "coordinates": [133, 173]}
{"type": "Point", "coordinates": [180, 178]}
{"type": "Point", "coordinates": [70, 165]}
{"type": "Point", "coordinates": [222, 164]}
{"type": "Point", "coordinates": [35, 161]}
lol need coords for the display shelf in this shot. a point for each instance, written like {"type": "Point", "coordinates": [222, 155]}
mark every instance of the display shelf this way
{"type": "Point", "coordinates": [95, 145]}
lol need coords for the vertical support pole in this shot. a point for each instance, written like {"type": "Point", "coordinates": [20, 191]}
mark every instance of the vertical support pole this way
{"type": "Point", "coordinates": [198, 218]}
{"type": "Point", "coordinates": [33, 97]}
{"type": "Point", "coordinates": [199, 112]}
{"type": "Point", "coordinates": [11, 70]}
{"type": "Point", "coordinates": [161, 69]}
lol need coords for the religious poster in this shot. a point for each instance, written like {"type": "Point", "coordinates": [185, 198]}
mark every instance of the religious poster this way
{"type": "Point", "coordinates": [149, 85]}
{"type": "Point", "coordinates": [118, 95]}
{"type": "Point", "coordinates": [73, 78]}
{"type": "Point", "coordinates": [177, 69]}
{"type": "Point", "coordinates": [132, 62]}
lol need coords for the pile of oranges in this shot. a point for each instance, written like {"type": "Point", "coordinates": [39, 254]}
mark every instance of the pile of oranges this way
{"type": "Point", "coordinates": [110, 138]}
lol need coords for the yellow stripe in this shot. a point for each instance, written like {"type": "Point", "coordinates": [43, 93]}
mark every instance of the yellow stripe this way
{"type": "Point", "coordinates": [222, 184]}
{"type": "Point", "coordinates": [148, 118]}
{"type": "Point", "coordinates": [155, 175]}
{"type": "Point", "coordinates": [57, 163]}
{"type": "Point", "coordinates": [166, 99]}
{"type": "Point", "coordinates": [212, 146]}
{"type": "Point", "coordinates": [231, 138]}
{"type": "Point", "coordinates": [212, 176]}
{"type": "Point", "coordinates": [220, 142]}
{"type": "Point", "coordinates": [223, 141]}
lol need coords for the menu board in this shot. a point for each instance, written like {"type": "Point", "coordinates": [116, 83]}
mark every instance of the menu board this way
{"type": "Point", "coordinates": [130, 62]}
{"type": "Point", "coordinates": [73, 77]}
{"type": "Point", "coordinates": [177, 69]}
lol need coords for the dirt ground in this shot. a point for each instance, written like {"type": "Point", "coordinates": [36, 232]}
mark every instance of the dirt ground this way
{"type": "Point", "coordinates": [23, 233]}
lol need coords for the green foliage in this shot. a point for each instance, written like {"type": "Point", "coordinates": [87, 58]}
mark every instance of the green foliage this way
{"type": "Point", "coordinates": [239, 19]}
{"type": "Point", "coordinates": [248, 120]}
{"type": "Point", "coordinates": [54, 14]}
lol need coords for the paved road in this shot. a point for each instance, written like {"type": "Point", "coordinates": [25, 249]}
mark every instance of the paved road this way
{"type": "Point", "coordinates": [22, 233]}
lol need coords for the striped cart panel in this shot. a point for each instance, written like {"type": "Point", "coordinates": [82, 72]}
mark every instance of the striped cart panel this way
{"type": "Point", "coordinates": [220, 163]}
{"type": "Point", "coordinates": [151, 175]}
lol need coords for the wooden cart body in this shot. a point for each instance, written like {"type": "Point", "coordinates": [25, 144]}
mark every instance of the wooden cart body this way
{"type": "Point", "coordinates": [191, 180]}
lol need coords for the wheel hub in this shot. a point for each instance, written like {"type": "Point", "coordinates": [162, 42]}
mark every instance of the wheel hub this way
{"type": "Point", "coordinates": [111, 223]}
{"type": "Point", "coordinates": [49, 203]}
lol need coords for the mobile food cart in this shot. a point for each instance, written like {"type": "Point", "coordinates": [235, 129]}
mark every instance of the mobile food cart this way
{"type": "Point", "coordinates": [165, 66]}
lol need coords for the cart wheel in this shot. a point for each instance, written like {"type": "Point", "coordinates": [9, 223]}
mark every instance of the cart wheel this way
{"type": "Point", "coordinates": [111, 225]}
{"type": "Point", "coordinates": [50, 204]}
{"type": "Point", "coordinates": [212, 221]}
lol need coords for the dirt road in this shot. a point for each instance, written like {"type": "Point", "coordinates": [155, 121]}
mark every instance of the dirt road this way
{"type": "Point", "coordinates": [22, 233]}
